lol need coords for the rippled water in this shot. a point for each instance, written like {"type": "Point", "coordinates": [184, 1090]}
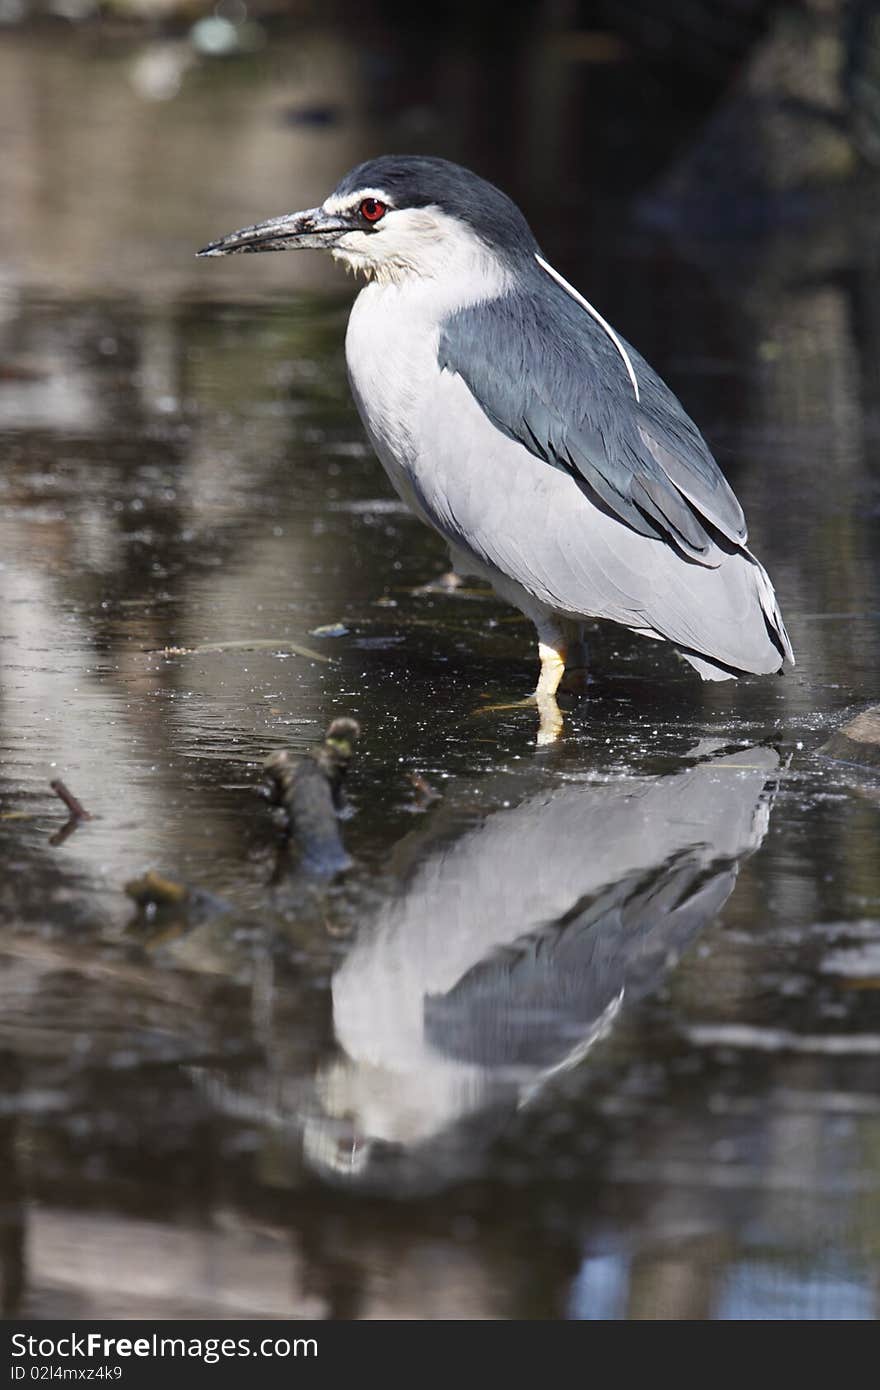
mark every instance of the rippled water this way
{"type": "Point", "coordinates": [592, 1034]}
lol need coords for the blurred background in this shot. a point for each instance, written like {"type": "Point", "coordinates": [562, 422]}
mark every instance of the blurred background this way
{"type": "Point", "coordinates": [360, 1100]}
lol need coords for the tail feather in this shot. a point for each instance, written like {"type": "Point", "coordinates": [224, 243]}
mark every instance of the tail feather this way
{"type": "Point", "coordinates": [712, 668]}
{"type": "Point", "coordinates": [772, 613]}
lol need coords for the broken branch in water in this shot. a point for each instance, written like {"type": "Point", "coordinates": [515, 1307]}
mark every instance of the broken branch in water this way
{"type": "Point", "coordinates": [75, 807]}
{"type": "Point", "coordinates": [336, 752]}
{"type": "Point", "coordinates": [78, 813]}
{"type": "Point", "coordinates": [310, 790]}
{"type": "Point", "coordinates": [425, 793]}
{"type": "Point", "coordinates": [257, 644]}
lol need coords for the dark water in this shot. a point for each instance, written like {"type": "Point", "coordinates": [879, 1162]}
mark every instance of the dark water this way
{"type": "Point", "coordinates": [595, 1033]}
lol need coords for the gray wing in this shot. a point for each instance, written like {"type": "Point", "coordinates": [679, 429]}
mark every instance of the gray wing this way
{"type": "Point", "coordinates": [549, 376]}
{"type": "Point", "coordinates": [531, 1002]}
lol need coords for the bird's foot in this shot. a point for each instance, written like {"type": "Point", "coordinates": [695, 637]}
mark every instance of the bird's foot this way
{"type": "Point", "coordinates": [552, 651]}
{"type": "Point", "coordinates": [528, 703]}
{"type": "Point", "coordinates": [549, 715]}
{"type": "Point", "coordinates": [549, 720]}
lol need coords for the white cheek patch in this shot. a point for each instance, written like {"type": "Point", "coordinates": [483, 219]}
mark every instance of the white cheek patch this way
{"type": "Point", "coordinates": [427, 244]}
{"type": "Point", "coordinates": [414, 235]}
{"type": "Point", "coordinates": [404, 240]}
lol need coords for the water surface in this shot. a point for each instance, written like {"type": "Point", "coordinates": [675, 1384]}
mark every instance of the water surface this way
{"type": "Point", "coordinates": [594, 1033]}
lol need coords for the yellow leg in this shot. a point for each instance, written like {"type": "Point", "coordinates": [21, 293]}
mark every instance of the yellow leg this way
{"type": "Point", "coordinates": [551, 650]}
{"type": "Point", "coordinates": [552, 654]}
{"type": "Point", "coordinates": [556, 639]}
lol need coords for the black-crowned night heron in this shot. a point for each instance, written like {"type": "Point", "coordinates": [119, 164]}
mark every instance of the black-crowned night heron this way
{"type": "Point", "coordinates": [514, 420]}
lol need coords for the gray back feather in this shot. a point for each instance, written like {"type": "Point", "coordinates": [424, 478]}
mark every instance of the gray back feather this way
{"type": "Point", "coordinates": [549, 376]}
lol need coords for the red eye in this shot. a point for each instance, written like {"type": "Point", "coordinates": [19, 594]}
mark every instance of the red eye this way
{"type": "Point", "coordinates": [372, 210]}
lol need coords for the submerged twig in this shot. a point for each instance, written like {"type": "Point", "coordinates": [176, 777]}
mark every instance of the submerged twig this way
{"type": "Point", "coordinates": [336, 752]}
{"type": "Point", "coordinates": [425, 793]}
{"type": "Point", "coordinates": [78, 812]}
{"type": "Point", "coordinates": [154, 890]}
{"type": "Point", "coordinates": [169, 907]}
{"type": "Point", "coordinates": [256, 644]}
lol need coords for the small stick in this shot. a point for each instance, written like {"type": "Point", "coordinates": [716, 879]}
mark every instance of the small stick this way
{"type": "Point", "coordinates": [76, 808]}
{"type": "Point", "coordinates": [425, 793]}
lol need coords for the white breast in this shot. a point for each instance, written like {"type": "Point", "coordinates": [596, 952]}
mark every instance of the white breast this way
{"type": "Point", "coordinates": [391, 349]}
{"type": "Point", "coordinates": [391, 352]}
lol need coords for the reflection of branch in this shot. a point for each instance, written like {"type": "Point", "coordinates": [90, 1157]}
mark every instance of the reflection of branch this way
{"type": "Point", "coordinates": [310, 791]}
{"type": "Point", "coordinates": [65, 832]}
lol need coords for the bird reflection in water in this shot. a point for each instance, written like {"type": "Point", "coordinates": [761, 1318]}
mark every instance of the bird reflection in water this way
{"type": "Point", "coordinates": [511, 949]}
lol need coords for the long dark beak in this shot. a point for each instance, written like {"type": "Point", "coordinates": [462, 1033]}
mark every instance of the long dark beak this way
{"type": "Point", "coordinates": [314, 227]}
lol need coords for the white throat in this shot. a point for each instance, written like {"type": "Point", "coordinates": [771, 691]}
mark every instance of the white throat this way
{"type": "Point", "coordinates": [425, 244]}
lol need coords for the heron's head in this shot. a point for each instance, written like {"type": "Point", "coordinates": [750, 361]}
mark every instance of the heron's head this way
{"type": "Point", "coordinates": [400, 216]}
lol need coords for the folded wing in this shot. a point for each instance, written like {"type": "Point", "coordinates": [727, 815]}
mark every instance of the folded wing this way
{"type": "Point", "coordinates": [559, 381]}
